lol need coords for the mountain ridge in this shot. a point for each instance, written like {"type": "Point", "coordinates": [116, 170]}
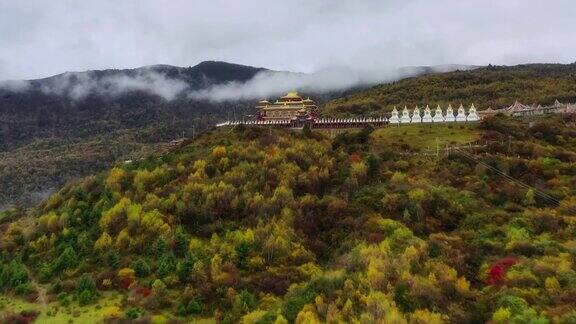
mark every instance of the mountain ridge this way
{"type": "Point", "coordinates": [489, 86]}
{"type": "Point", "coordinates": [201, 66]}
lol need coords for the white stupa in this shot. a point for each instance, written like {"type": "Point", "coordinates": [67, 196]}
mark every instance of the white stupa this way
{"type": "Point", "coordinates": [449, 114]}
{"type": "Point", "coordinates": [461, 114]}
{"type": "Point", "coordinates": [405, 119]}
{"type": "Point", "coordinates": [472, 115]}
{"type": "Point", "coordinates": [438, 118]}
{"type": "Point", "coordinates": [416, 115]}
{"type": "Point", "coordinates": [394, 118]}
{"type": "Point", "coordinates": [427, 118]}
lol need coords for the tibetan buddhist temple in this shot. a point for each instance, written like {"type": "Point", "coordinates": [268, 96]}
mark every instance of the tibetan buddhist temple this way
{"type": "Point", "coordinates": [287, 108]}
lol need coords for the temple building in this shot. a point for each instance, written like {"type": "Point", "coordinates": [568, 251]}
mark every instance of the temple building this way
{"type": "Point", "coordinates": [416, 115]}
{"type": "Point", "coordinates": [519, 109]}
{"type": "Point", "coordinates": [438, 115]}
{"type": "Point", "coordinates": [487, 113]}
{"type": "Point", "coordinates": [427, 118]}
{"type": "Point", "coordinates": [289, 107]}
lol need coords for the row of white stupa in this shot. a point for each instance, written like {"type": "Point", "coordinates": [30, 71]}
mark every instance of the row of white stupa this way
{"type": "Point", "coordinates": [438, 117]}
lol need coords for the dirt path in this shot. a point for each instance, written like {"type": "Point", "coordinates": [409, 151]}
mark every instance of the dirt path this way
{"type": "Point", "coordinates": [42, 294]}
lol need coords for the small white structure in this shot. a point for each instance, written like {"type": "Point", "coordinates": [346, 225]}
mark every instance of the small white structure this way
{"type": "Point", "coordinates": [427, 118]}
{"type": "Point", "coordinates": [461, 114]}
{"type": "Point", "coordinates": [394, 118]}
{"type": "Point", "coordinates": [472, 115]}
{"type": "Point", "coordinates": [416, 115]}
{"type": "Point", "coordinates": [438, 117]}
{"type": "Point", "coordinates": [405, 119]}
{"type": "Point", "coordinates": [449, 114]}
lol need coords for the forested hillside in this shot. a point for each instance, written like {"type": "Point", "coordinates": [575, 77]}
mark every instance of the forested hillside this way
{"type": "Point", "coordinates": [492, 86]}
{"type": "Point", "coordinates": [70, 125]}
{"type": "Point", "coordinates": [258, 226]}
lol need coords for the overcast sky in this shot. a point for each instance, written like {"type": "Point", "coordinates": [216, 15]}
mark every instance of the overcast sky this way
{"type": "Point", "coordinates": [40, 38]}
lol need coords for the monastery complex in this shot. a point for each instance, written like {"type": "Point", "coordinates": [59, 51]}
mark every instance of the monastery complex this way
{"type": "Point", "coordinates": [292, 111]}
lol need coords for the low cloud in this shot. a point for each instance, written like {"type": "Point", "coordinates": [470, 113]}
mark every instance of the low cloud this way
{"type": "Point", "coordinates": [78, 85]}
{"type": "Point", "coordinates": [269, 83]}
{"type": "Point", "coordinates": [14, 85]}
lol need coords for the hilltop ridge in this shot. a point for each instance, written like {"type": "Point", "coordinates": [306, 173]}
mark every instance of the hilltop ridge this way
{"type": "Point", "coordinates": [490, 86]}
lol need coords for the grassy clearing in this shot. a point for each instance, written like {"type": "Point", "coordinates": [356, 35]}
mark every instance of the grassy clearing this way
{"type": "Point", "coordinates": [424, 136]}
{"type": "Point", "coordinates": [15, 305]}
{"type": "Point", "coordinates": [58, 314]}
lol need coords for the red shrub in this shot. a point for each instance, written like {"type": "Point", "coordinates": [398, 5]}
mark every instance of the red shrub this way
{"type": "Point", "coordinates": [497, 272]}
{"type": "Point", "coordinates": [375, 237]}
{"type": "Point", "coordinates": [125, 283]}
{"type": "Point", "coordinates": [355, 158]}
{"type": "Point", "coordinates": [142, 291]}
{"type": "Point", "coordinates": [25, 317]}
{"type": "Point", "coordinates": [29, 315]}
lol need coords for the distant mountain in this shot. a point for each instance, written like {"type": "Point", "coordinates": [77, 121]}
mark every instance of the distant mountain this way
{"type": "Point", "coordinates": [77, 102]}
{"type": "Point", "coordinates": [199, 76]}
{"type": "Point", "coordinates": [68, 125]}
{"type": "Point", "coordinates": [421, 70]}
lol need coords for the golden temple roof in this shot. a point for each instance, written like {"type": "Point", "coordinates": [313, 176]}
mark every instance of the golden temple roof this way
{"type": "Point", "coordinates": [291, 95]}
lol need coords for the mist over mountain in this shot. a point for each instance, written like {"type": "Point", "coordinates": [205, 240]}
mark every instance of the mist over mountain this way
{"type": "Point", "coordinates": [63, 103]}
{"type": "Point", "coordinates": [210, 80]}
{"type": "Point", "coordinates": [335, 79]}
{"type": "Point", "coordinates": [59, 128]}
{"type": "Point", "coordinates": [165, 81]}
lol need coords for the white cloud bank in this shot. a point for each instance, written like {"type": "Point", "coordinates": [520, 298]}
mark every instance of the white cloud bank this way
{"type": "Point", "coordinates": [14, 85]}
{"type": "Point", "coordinates": [78, 85]}
{"type": "Point", "coordinates": [268, 83]}
{"type": "Point", "coordinates": [39, 39]}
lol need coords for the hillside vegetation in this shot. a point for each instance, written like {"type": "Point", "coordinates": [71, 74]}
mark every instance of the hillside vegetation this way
{"type": "Point", "coordinates": [257, 226]}
{"type": "Point", "coordinates": [491, 86]}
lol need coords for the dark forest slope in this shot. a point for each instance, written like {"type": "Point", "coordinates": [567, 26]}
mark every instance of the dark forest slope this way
{"type": "Point", "coordinates": [69, 125]}
{"type": "Point", "coordinates": [76, 104]}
